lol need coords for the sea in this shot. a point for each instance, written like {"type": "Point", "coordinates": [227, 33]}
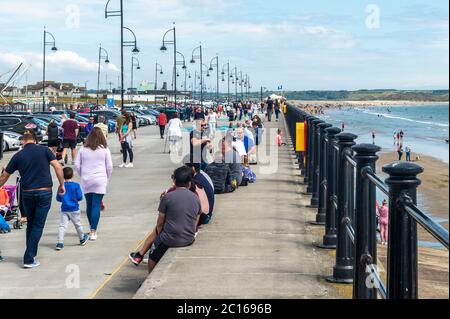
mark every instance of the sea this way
{"type": "Point", "coordinates": [425, 126]}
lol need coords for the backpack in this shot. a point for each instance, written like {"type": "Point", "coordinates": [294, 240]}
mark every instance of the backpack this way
{"type": "Point", "coordinates": [248, 174]}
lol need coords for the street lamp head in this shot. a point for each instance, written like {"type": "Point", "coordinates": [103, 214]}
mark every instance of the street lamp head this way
{"type": "Point", "coordinates": [138, 67]}
{"type": "Point", "coordinates": [163, 48]}
{"type": "Point", "coordinates": [192, 61]}
{"type": "Point", "coordinates": [211, 68]}
{"type": "Point", "coordinates": [107, 61]}
{"type": "Point", "coordinates": [54, 49]}
{"type": "Point", "coordinates": [223, 73]}
{"type": "Point", "coordinates": [184, 67]}
{"type": "Point", "coordinates": [135, 50]}
{"type": "Point", "coordinates": [161, 72]}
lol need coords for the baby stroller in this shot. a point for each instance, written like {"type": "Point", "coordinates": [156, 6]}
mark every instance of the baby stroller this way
{"type": "Point", "coordinates": [13, 210]}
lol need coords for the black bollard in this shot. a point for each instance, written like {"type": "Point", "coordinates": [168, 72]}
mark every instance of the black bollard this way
{"type": "Point", "coordinates": [365, 221]}
{"type": "Point", "coordinates": [343, 269]}
{"type": "Point", "coordinates": [309, 154]}
{"type": "Point", "coordinates": [315, 166]}
{"type": "Point", "coordinates": [307, 150]}
{"type": "Point", "coordinates": [402, 278]}
{"type": "Point", "coordinates": [322, 177]}
{"type": "Point", "coordinates": [329, 239]}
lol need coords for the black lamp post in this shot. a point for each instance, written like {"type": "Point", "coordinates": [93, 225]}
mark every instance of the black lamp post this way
{"type": "Point", "coordinates": [200, 56]}
{"type": "Point", "coordinates": [138, 67]}
{"type": "Point", "coordinates": [228, 78]}
{"type": "Point", "coordinates": [54, 49]}
{"type": "Point", "coordinates": [211, 68]}
{"type": "Point", "coordinates": [100, 57]}
{"type": "Point", "coordinates": [135, 50]}
{"type": "Point", "coordinates": [164, 49]}
{"type": "Point", "coordinates": [262, 88]}
{"type": "Point", "coordinates": [234, 76]}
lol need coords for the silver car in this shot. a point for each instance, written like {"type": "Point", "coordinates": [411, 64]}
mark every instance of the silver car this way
{"type": "Point", "coordinates": [11, 141]}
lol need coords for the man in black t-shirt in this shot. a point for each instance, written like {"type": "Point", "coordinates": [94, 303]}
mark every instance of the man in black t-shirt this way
{"type": "Point", "coordinates": [33, 163]}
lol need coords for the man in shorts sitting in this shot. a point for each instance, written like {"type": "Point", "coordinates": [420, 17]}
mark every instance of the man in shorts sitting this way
{"type": "Point", "coordinates": [179, 214]}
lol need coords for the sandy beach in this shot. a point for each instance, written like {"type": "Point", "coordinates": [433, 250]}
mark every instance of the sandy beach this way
{"type": "Point", "coordinates": [433, 263]}
{"type": "Point", "coordinates": [360, 103]}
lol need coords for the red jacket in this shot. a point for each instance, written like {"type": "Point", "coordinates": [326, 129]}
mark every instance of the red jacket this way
{"type": "Point", "coordinates": [162, 119]}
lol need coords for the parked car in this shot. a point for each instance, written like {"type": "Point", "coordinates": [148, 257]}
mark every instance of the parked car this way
{"type": "Point", "coordinates": [11, 141]}
{"type": "Point", "coordinates": [21, 123]}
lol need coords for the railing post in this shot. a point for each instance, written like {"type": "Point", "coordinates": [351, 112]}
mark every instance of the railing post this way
{"type": "Point", "coordinates": [343, 269]}
{"type": "Point", "coordinates": [315, 166]}
{"type": "Point", "coordinates": [402, 278]}
{"type": "Point", "coordinates": [365, 221]}
{"type": "Point", "coordinates": [310, 132]}
{"type": "Point", "coordinates": [329, 239]}
{"type": "Point", "coordinates": [306, 163]}
{"type": "Point", "coordinates": [322, 176]}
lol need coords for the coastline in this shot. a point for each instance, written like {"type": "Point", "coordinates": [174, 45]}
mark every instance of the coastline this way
{"type": "Point", "coordinates": [366, 103]}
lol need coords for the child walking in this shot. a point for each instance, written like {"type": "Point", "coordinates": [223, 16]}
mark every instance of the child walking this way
{"type": "Point", "coordinates": [70, 209]}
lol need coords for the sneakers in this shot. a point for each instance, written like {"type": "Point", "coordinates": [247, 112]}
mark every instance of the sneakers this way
{"type": "Point", "coordinates": [33, 265]}
{"type": "Point", "coordinates": [129, 165]}
{"type": "Point", "coordinates": [85, 239]}
{"type": "Point", "coordinates": [135, 258]}
{"type": "Point", "coordinates": [59, 246]}
{"type": "Point", "coordinates": [122, 165]}
{"type": "Point", "coordinates": [93, 236]}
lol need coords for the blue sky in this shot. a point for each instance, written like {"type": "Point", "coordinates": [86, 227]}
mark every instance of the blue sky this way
{"type": "Point", "coordinates": [304, 45]}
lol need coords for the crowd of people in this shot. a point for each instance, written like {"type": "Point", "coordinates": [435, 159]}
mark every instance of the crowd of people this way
{"type": "Point", "coordinates": [186, 205]}
{"type": "Point", "coordinates": [189, 202]}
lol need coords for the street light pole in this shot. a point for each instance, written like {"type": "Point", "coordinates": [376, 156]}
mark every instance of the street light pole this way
{"type": "Point", "coordinates": [164, 48]}
{"type": "Point", "coordinates": [119, 13]}
{"type": "Point", "coordinates": [132, 74]}
{"type": "Point", "coordinates": [201, 70]}
{"type": "Point", "coordinates": [52, 43]}
{"type": "Point", "coordinates": [100, 56]}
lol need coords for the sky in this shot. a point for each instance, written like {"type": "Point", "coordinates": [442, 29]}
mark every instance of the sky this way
{"type": "Point", "coordinates": [301, 45]}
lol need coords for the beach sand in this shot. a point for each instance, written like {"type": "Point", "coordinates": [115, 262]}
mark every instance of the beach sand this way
{"type": "Point", "coordinates": [433, 263]}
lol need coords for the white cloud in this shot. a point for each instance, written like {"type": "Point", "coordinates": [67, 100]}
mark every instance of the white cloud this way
{"type": "Point", "coordinates": [60, 60]}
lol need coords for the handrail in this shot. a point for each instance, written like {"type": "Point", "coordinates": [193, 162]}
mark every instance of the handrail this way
{"type": "Point", "coordinates": [343, 181]}
{"type": "Point", "coordinates": [370, 174]}
{"type": "Point", "coordinates": [350, 159]}
{"type": "Point", "coordinates": [434, 228]}
{"type": "Point", "coordinates": [377, 281]}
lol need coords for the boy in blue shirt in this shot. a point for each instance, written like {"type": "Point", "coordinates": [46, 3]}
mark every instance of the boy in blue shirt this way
{"type": "Point", "coordinates": [70, 209]}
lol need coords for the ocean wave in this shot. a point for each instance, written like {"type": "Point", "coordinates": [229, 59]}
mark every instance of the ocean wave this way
{"type": "Point", "coordinates": [405, 118]}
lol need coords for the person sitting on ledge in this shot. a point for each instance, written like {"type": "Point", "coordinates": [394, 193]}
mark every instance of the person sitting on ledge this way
{"type": "Point", "coordinates": [202, 179]}
{"type": "Point", "coordinates": [220, 173]}
{"type": "Point", "coordinates": [179, 214]}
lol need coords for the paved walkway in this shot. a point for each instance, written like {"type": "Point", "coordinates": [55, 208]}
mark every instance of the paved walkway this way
{"type": "Point", "coordinates": [130, 214]}
{"type": "Point", "coordinates": [257, 246]}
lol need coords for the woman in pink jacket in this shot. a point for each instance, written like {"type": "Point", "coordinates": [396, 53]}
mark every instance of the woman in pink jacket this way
{"type": "Point", "coordinates": [94, 166]}
{"type": "Point", "coordinates": [383, 216]}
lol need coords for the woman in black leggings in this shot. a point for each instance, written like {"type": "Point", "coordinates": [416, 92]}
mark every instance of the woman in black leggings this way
{"type": "Point", "coordinates": [126, 142]}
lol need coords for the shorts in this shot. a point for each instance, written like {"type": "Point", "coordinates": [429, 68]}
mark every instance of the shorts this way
{"type": "Point", "coordinates": [157, 250]}
{"type": "Point", "coordinates": [72, 144]}
{"type": "Point", "coordinates": [53, 143]}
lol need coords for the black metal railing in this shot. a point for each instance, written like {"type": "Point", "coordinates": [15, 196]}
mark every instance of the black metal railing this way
{"type": "Point", "coordinates": [341, 177]}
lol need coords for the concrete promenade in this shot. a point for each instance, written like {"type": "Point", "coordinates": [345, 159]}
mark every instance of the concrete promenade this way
{"type": "Point", "coordinates": [257, 246]}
